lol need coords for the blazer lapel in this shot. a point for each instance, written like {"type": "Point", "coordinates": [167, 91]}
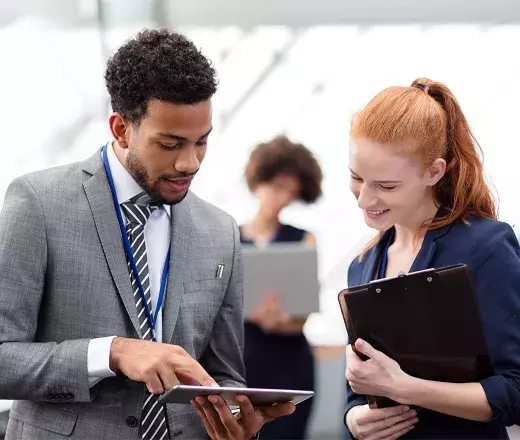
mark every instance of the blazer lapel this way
{"type": "Point", "coordinates": [99, 198]}
{"type": "Point", "coordinates": [422, 261]}
{"type": "Point", "coordinates": [373, 257]}
{"type": "Point", "coordinates": [371, 263]}
{"type": "Point", "coordinates": [424, 258]}
{"type": "Point", "coordinates": [179, 250]}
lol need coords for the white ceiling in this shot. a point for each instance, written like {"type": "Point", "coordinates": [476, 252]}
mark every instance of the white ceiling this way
{"type": "Point", "coordinates": [249, 13]}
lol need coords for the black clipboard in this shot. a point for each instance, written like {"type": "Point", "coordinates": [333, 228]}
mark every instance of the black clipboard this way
{"type": "Point", "coordinates": [428, 321]}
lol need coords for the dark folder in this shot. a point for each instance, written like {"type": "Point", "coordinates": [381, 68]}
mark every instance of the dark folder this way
{"type": "Point", "coordinates": [427, 321]}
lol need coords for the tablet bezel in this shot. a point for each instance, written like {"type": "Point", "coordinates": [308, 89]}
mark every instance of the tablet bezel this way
{"type": "Point", "coordinates": [259, 396]}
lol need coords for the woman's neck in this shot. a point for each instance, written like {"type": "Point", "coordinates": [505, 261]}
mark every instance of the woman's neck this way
{"type": "Point", "coordinates": [263, 227]}
{"type": "Point", "coordinates": [406, 233]}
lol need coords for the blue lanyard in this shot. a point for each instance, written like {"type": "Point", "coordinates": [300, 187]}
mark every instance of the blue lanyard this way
{"type": "Point", "coordinates": [384, 256]}
{"type": "Point", "coordinates": [152, 320]}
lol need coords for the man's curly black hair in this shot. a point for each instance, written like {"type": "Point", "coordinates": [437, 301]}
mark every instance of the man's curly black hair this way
{"type": "Point", "coordinates": [158, 64]}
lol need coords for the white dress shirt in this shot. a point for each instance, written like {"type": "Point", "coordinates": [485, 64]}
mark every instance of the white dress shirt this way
{"type": "Point", "coordinates": [157, 233]}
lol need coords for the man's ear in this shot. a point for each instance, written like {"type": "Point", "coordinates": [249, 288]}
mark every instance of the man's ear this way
{"type": "Point", "coordinates": [120, 129]}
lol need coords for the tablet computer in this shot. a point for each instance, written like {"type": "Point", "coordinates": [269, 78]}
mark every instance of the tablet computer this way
{"type": "Point", "coordinates": [288, 269]}
{"type": "Point", "coordinates": [257, 396]}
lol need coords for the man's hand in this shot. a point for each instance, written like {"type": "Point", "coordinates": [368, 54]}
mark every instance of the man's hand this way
{"type": "Point", "coordinates": [221, 424]}
{"type": "Point", "coordinates": [160, 366]}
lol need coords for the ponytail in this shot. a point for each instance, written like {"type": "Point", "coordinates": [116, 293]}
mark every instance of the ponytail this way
{"type": "Point", "coordinates": [428, 114]}
{"type": "Point", "coordinates": [463, 190]}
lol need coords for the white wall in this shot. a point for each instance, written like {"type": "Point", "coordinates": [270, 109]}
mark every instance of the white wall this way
{"type": "Point", "coordinates": [51, 79]}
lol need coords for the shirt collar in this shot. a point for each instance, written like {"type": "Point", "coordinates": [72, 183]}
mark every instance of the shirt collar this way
{"type": "Point", "coordinates": [126, 186]}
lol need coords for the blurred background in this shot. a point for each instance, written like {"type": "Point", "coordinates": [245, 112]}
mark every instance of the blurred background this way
{"type": "Point", "coordinates": [299, 67]}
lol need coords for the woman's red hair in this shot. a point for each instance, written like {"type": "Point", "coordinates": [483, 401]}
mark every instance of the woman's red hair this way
{"type": "Point", "coordinates": [427, 118]}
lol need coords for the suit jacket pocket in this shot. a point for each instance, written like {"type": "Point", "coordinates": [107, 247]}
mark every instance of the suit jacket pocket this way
{"type": "Point", "coordinates": [203, 298]}
{"type": "Point", "coordinates": [48, 416]}
{"type": "Point", "coordinates": [200, 306]}
{"type": "Point", "coordinates": [213, 288]}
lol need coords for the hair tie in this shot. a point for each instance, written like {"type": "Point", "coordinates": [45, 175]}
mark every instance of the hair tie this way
{"type": "Point", "coordinates": [424, 87]}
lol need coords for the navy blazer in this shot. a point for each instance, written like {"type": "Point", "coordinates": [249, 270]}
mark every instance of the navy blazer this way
{"type": "Point", "coordinates": [491, 251]}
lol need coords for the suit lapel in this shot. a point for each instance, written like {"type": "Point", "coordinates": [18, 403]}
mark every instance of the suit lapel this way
{"type": "Point", "coordinates": [422, 261]}
{"type": "Point", "coordinates": [179, 248]}
{"type": "Point", "coordinates": [372, 260]}
{"type": "Point", "coordinates": [370, 266]}
{"type": "Point", "coordinates": [424, 258]}
{"type": "Point", "coordinates": [99, 198]}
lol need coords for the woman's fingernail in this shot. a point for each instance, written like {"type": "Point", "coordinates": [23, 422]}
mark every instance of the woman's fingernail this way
{"type": "Point", "coordinates": [213, 399]}
{"type": "Point", "coordinates": [406, 409]}
{"type": "Point", "coordinates": [241, 399]}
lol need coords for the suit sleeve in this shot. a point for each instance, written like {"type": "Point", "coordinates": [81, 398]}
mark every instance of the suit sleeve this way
{"type": "Point", "coordinates": [497, 280]}
{"type": "Point", "coordinates": [353, 399]}
{"type": "Point", "coordinates": [38, 371]}
{"type": "Point", "coordinates": [223, 358]}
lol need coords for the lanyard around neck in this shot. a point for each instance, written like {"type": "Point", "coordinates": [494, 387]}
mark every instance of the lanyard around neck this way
{"type": "Point", "coordinates": [152, 320]}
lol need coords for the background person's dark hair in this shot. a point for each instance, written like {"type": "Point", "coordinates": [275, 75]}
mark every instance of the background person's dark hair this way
{"type": "Point", "coordinates": [157, 64]}
{"type": "Point", "coordinates": [280, 156]}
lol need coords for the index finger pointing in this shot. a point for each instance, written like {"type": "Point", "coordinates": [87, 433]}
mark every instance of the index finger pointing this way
{"type": "Point", "coordinates": [189, 367]}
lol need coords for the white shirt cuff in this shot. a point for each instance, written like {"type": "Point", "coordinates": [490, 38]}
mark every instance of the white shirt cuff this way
{"type": "Point", "coordinates": [99, 360]}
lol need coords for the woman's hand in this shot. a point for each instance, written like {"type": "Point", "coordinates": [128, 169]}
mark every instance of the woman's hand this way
{"type": "Point", "coordinates": [378, 424]}
{"type": "Point", "coordinates": [378, 376]}
{"type": "Point", "coordinates": [269, 314]}
{"type": "Point", "coordinates": [382, 376]}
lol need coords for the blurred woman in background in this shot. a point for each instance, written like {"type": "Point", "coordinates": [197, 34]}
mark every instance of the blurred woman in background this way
{"type": "Point", "coordinates": [277, 354]}
{"type": "Point", "coordinates": [418, 177]}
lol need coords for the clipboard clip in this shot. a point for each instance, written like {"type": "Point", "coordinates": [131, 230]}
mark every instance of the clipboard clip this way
{"type": "Point", "coordinates": [401, 277]}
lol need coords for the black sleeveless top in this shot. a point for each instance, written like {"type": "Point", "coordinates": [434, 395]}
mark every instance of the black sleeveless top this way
{"type": "Point", "coordinates": [284, 351]}
{"type": "Point", "coordinates": [285, 234]}
{"type": "Point", "coordinates": [280, 361]}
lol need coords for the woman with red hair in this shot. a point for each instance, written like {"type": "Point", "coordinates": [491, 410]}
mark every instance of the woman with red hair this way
{"type": "Point", "coordinates": [418, 177]}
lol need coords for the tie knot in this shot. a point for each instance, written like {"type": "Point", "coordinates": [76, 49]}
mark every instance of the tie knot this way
{"type": "Point", "coordinates": [138, 209]}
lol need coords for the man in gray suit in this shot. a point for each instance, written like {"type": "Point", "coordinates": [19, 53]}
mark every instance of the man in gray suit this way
{"type": "Point", "coordinates": [117, 282]}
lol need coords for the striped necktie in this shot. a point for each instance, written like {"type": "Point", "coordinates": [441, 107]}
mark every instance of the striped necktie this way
{"type": "Point", "coordinates": [154, 425]}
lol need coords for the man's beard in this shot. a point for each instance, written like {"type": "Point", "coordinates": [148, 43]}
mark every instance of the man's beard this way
{"type": "Point", "coordinates": [140, 175]}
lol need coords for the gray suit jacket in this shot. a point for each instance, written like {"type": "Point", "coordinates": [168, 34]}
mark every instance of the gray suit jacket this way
{"type": "Point", "coordinates": [64, 280]}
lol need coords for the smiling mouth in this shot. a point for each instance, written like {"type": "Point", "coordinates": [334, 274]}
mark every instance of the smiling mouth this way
{"type": "Point", "coordinates": [178, 185]}
{"type": "Point", "coordinates": [375, 213]}
{"type": "Point", "coordinates": [179, 181]}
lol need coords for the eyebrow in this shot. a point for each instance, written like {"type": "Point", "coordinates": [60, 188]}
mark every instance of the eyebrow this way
{"type": "Point", "coordinates": [383, 182]}
{"type": "Point", "coordinates": [182, 138]}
